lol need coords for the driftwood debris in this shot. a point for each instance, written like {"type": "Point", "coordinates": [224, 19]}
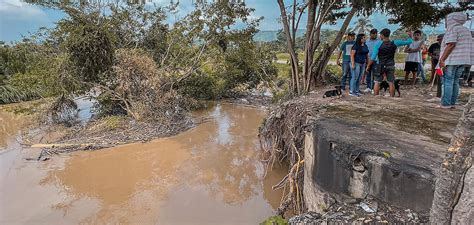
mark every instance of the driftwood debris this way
{"type": "Point", "coordinates": [61, 145]}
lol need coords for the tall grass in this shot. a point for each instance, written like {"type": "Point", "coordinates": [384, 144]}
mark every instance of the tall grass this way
{"type": "Point", "coordinates": [10, 94]}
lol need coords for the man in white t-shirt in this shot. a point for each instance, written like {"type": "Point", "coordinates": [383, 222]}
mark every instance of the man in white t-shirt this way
{"type": "Point", "coordinates": [414, 57]}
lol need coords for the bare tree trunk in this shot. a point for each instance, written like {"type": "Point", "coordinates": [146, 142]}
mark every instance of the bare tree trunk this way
{"type": "Point", "coordinates": [450, 181]}
{"type": "Point", "coordinates": [295, 84]}
{"type": "Point", "coordinates": [318, 68]}
{"type": "Point", "coordinates": [309, 50]}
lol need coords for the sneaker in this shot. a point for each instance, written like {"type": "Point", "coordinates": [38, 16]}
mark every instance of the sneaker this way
{"type": "Point", "coordinates": [354, 95]}
{"type": "Point", "coordinates": [444, 106]}
{"type": "Point", "coordinates": [367, 90]}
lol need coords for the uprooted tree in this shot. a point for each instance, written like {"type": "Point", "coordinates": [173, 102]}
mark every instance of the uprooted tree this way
{"type": "Point", "coordinates": [126, 56]}
{"type": "Point", "coordinates": [320, 12]}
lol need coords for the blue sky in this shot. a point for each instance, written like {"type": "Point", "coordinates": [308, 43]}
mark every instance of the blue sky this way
{"type": "Point", "coordinates": [18, 18]}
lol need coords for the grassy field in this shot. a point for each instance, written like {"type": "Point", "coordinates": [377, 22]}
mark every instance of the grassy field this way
{"type": "Point", "coordinates": [283, 70]}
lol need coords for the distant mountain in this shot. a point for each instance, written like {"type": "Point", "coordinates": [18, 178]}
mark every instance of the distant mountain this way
{"type": "Point", "coordinates": [271, 35]}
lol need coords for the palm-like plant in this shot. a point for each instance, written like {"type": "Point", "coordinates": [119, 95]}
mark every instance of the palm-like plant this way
{"type": "Point", "coordinates": [363, 25]}
{"type": "Point", "coordinates": [10, 94]}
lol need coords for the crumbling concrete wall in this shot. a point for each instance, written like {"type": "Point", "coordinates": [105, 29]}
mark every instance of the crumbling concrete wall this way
{"type": "Point", "coordinates": [316, 198]}
{"type": "Point", "coordinates": [464, 211]}
{"type": "Point", "coordinates": [345, 161]}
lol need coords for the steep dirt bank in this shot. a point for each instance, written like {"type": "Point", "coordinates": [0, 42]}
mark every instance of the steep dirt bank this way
{"type": "Point", "coordinates": [414, 115]}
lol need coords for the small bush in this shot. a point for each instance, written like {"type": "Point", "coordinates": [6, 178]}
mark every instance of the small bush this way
{"type": "Point", "coordinates": [333, 74]}
{"type": "Point", "coordinates": [274, 220]}
{"type": "Point", "coordinates": [199, 86]}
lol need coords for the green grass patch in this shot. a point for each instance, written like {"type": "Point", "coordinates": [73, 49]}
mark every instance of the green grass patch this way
{"type": "Point", "coordinates": [274, 220]}
{"type": "Point", "coordinates": [283, 56]}
{"type": "Point", "coordinates": [113, 122]}
{"type": "Point", "coordinates": [284, 70]}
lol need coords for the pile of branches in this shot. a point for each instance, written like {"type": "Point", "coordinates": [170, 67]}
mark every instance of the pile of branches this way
{"type": "Point", "coordinates": [139, 88]}
{"type": "Point", "coordinates": [282, 139]}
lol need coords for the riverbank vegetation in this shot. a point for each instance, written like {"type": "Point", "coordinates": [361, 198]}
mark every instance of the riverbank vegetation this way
{"type": "Point", "coordinates": [132, 62]}
{"type": "Point", "coordinates": [145, 74]}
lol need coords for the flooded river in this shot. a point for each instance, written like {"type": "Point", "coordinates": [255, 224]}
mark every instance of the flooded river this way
{"type": "Point", "coordinates": [207, 175]}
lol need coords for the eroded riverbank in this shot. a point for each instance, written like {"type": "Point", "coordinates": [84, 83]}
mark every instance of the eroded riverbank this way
{"type": "Point", "coordinates": [209, 174]}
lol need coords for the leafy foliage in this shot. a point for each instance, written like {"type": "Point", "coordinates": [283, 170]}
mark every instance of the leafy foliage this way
{"type": "Point", "coordinates": [274, 220]}
{"type": "Point", "coordinates": [414, 15]}
{"type": "Point", "coordinates": [10, 94]}
{"type": "Point", "coordinates": [89, 44]}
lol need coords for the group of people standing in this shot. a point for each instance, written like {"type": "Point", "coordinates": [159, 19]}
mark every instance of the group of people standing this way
{"type": "Point", "coordinates": [373, 59]}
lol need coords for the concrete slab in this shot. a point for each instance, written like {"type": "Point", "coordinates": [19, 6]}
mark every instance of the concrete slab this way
{"type": "Point", "coordinates": [383, 147]}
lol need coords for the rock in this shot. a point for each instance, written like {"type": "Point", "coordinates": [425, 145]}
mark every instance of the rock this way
{"type": "Point", "coordinates": [366, 208]}
{"type": "Point", "coordinates": [359, 168]}
{"type": "Point", "coordinates": [245, 101]}
{"type": "Point", "coordinates": [378, 218]}
{"type": "Point", "coordinates": [307, 218]}
{"type": "Point", "coordinates": [335, 215]}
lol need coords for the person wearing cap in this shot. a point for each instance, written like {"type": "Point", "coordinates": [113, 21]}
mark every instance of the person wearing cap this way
{"type": "Point", "coordinates": [383, 56]}
{"type": "Point", "coordinates": [371, 43]}
{"type": "Point", "coordinates": [345, 52]}
{"type": "Point", "coordinates": [433, 52]}
{"type": "Point", "coordinates": [456, 52]}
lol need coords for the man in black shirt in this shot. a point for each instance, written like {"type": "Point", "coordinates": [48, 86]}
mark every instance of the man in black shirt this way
{"type": "Point", "coordinates": [434, 52]}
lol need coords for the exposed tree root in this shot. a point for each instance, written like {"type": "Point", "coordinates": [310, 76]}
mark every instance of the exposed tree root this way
{"type": "Point", "coordinates": [282, 139]}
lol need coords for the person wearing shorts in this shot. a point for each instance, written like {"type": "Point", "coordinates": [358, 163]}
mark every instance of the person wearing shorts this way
{"type": "Point", "coordinates": [383, 56]}
{"type": "Point", "coordinates": [414, 59]}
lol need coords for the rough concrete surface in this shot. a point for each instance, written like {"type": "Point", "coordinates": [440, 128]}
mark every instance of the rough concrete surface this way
{"type": "Point", "coordinates": [464, 211]}
{"type": "Point", "coordinates": [382, 147]}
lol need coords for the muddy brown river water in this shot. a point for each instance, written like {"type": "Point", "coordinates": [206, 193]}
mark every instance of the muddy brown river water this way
{"type": "Point", "coordinates": [210, 174]}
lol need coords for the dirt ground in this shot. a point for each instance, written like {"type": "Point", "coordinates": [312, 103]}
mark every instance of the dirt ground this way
{"type": "Point", "coordinates": [415, 112]}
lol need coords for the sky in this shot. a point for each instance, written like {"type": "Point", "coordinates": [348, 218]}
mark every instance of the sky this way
{"type": "Point", "coordinates": [18, 19]}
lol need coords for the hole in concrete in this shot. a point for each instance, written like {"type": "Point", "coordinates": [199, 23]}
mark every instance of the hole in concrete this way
{"type": "Point", "coordinates": [395, 173]}
{"type": "Point", "coordinates": [357, 165]}
{"type": "Point", "coordinates": [331, 146]}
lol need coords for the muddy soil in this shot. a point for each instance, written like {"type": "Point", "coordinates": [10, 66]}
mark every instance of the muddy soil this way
{"type": "Point", "coordinates": [212, 167]}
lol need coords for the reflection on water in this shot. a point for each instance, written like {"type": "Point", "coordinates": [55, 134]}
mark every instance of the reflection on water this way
{"type": "Point", "coordinates": [9, 126]}
{"type": "Point", "coordinates": [207, 175]}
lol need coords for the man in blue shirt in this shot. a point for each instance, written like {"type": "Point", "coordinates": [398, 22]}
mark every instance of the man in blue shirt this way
{"type": "Point", "coordinates": [371, 43]}
{"type": "Point", "coordinates": [345, 51]}
{"type": "Point", "coordinates": [384, 57]}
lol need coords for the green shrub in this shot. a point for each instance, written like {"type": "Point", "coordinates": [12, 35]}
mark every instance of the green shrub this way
{"type": "Point", "coordinates": [333, 74]}
{"type": "Point", "coordinates": [274, 220]}
{"type": "Point", "coordinates": [200, 86]}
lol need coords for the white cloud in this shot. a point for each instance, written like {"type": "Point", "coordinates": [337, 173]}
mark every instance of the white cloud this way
{"type": "Point", "coordinates": [20, 11]}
